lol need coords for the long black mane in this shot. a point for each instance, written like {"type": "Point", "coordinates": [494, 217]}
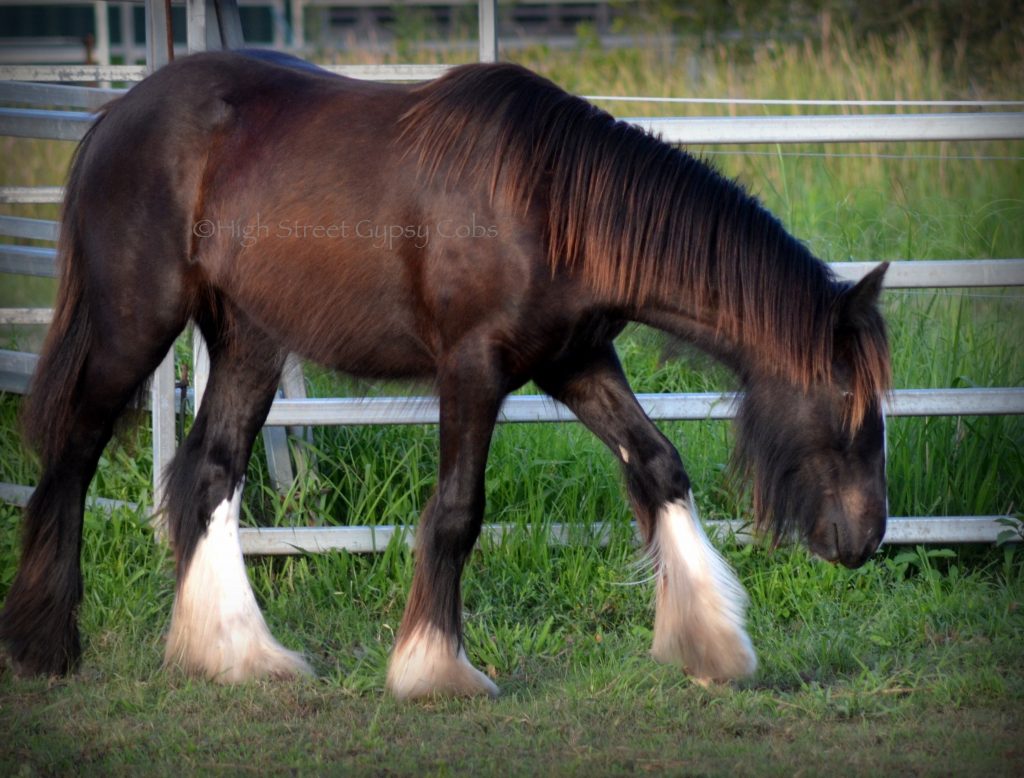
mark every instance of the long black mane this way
{"type": "Point", "coordinates": [639, 218]}
{"type": "Point", "coordinates": [642, 220]}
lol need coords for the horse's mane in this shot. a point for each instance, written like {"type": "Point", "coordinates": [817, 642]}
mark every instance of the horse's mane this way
{"type": "Point", "coordinates": [637, 218]}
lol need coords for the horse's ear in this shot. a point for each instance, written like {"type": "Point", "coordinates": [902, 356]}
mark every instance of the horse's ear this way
{"type": "Point", "coordinates": [863, 296]}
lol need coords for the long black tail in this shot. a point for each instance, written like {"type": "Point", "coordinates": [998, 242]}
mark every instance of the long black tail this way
{"type": "Point", "coordinates": [48, 410]}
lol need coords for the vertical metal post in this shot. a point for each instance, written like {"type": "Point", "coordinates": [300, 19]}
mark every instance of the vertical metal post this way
{"type": "Point", "coordinates": [195, 25]}
{"type": "Point", "coordinates": [158, 54]}
{"type": "Point", "coordinates": [229, 24]}
{"type": "Point", "coordinates": [488, 30]}
{"type": "Point", "coordinates": [279, 463]}
{"type": "Point", "coordinates": [298, 25]}
{"type": "Point", "coordinates": [213, 25]}
{"type": "Point", "coordinates": [101, 49]}
{"type": "Point", "coordinates": [128, 32]}
{"type": "Point", "coordinates": [164, 443]}
{"type": "Point", "coordinates": [293, 382]}
{"type": "Point", "coordinates": [276, 439]}
{"type": "Point", "coordinates": [200, 368]}
{"type": "Point", "coordinates": [158, 33]}
{"type": "Point", "coordinates": [280, 24]}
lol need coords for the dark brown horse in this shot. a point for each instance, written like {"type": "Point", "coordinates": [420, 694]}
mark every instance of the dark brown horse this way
{"type": "Point", "coordinates": [482, 230]}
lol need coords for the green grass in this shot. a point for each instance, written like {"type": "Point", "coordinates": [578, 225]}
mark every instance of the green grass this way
{"type": "Point", "coordinates": [912, 664]}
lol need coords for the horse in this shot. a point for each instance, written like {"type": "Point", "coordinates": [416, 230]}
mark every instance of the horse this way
{"type": "Point", "coordinates": [479, 231]}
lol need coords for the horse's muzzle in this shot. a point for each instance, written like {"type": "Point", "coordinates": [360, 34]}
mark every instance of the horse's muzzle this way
{"type": "Point", "coordinates": [850, 541]}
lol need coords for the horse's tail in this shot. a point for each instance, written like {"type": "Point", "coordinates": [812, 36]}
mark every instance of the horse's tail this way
{"type": "Point", "coordinates": [47, 411]}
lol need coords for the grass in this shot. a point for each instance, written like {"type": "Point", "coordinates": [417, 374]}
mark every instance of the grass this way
{"type": "Point", "coordinates": [911, 664]}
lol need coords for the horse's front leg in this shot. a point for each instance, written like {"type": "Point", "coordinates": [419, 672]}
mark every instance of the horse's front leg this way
{"type": "Point", "coordinates": [700, 604]}
{"type": "Point", "coordinates": [429, 658]}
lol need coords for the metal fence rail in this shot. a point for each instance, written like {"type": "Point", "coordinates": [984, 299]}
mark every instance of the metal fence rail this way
{"type": "Point", "coordinates": [978, 126]}
{"type": "Point", "coordinates": [902, 274]}
{"type": "Point", "coordinates": [915, 274]}
{"type": "Point", "coordinates": [890, 128]}
{"type": "Point", "coordinates": [135, 73]}
{"type": "Point", "coordinates": [679, 406]}
{"type": "Point", "coordinates": [31, 195]}
{"type": "Point", "coordinates": [368, 539]}
{"type": "Point", "coordinates": [30, 93]}
{"type": "Point", "coordinates": [33, 229]}
{"type": "Point", "coordinates": [533, 409]}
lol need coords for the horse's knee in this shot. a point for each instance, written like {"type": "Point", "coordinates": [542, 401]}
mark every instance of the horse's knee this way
{"type": "Point", "coordinates": [451, 526]}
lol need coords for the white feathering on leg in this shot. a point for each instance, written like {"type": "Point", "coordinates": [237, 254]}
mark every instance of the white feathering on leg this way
{"type": "Point", "coordinates": [700, 604]}
{"type": "Point", "coordinates": [426, 664]}
{"type": "Point", "coordinates": [217, 629]}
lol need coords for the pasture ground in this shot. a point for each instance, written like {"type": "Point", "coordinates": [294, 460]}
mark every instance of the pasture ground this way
{"type": "Point", "coordinates": [910, 665]}
{"type": "Point", "coordinates": [913, 664]}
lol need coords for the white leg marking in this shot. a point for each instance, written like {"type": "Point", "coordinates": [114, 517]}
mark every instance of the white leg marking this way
{"type": "Point", "coordinates": [700, 604]}
{"type": "Point", "coordinates": [217, 629]}
{"type": "Point", "coordinates": [426, 664]}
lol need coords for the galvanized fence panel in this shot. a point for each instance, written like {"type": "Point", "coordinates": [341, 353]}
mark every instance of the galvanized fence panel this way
{"type": "Point", "coordinates": [274, 541]}
{"type": "Point", "coordinates": [71, 125]}
{"type": "Point", "coordinates": [975, 126]}
{"type": "Point", "coordinates": [368, 539]}
{"type": "Point", "coordinates": [134, 73]}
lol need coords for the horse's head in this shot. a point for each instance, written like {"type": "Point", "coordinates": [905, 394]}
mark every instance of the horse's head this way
{"type": "Point", "coordinates": [817, 455]}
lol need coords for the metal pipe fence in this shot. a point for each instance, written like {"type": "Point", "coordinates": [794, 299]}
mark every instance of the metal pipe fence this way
{"type": "Point", "coordinates": [694, 131]}
{"type": "Point", "coordinates": [914, 274]}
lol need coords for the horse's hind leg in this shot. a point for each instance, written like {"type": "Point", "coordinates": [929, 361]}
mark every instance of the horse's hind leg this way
{"type": "Point", "coordinates": [699, 607]}
{"type": "Point", "coordinates": [95, 361]}
{"type": "Point", "coordinates": [217, 630]}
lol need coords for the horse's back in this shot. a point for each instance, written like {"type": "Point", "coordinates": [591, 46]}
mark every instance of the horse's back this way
{"type": "Point", "coordinates": [214, 145]}
{"type": "Point", "coordinates": [289, 192]}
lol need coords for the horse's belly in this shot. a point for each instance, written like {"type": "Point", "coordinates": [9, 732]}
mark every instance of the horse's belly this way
{"type": "Point", "coordinates": [367, 341]}
{"type": "Point", "coordinates": [375, 352]}
{"type": "Point", "coordinates": [363, 323]}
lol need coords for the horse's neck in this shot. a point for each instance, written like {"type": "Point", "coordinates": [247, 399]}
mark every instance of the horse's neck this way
{"type": "Point", "coordinates": [697, 327]}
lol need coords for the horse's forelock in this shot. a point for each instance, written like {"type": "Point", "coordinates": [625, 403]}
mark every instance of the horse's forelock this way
{"type": "Point", "coordinates": [862, 340]}
{"type": "Point", "coordinates": [768, 456]}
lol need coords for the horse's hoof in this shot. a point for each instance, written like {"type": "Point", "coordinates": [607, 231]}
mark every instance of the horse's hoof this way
{"type": "Point", "coordinates": [217, 629]}
{"type": "Point", "coordinates": [712, 656]}
{"type": "Point", "coordinates": [700, 604]}
{"type": "Point", "coordinates": [45, 653]}
{"type": "Point", "coordinates": [428, 664]}
{"type": "Point", "coordinates": [259, 662]}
